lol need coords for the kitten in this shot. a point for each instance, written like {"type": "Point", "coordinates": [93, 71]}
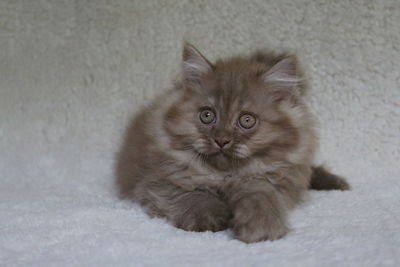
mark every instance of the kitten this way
{"type": "Point", "coordinates": [230, 145]}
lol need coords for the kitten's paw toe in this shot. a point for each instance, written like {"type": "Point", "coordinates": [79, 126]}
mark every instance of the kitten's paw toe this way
{"type": "Point", "coordinates": [250, 234]}
{"type": "Point", "coordinates": [213, 218]}
{"type": "Point", "coordinates": [258, 229]}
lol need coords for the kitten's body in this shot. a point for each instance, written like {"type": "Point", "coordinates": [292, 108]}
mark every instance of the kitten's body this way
{"type": "Point", "coordinates": [176, 167]}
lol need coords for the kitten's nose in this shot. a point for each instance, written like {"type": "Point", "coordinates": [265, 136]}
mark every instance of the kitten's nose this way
{"type": "Point", "coordinates": [221, 142]}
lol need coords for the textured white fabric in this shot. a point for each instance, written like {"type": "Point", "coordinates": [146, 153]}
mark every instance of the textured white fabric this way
{"type": "Point", "coordinates": [73, 72]}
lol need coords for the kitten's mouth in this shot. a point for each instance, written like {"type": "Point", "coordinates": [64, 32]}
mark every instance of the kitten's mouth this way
{"type": "Point", "coordinates": [216, 153]}
{"type": "Point", "coordinates": [221, 160]}
{"type": "Point", "coordinates": [221, 153]}
{"type": "Point", "coordinates": [218, 156]}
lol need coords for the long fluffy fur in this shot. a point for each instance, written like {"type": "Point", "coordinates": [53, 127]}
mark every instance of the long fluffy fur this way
{"type": "Point", "coordinates": [171, 163]}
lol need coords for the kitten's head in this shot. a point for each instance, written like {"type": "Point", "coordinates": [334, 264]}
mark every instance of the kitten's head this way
{"type": "Point", "coordinates": [237, 109]}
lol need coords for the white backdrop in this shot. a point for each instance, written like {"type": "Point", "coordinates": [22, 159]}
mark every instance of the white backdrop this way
{"type": "Point", "coordinates": [73, 72]}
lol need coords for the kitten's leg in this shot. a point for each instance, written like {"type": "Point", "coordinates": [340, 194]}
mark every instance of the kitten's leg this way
{"type": "Point", "coordinates": [197, 210]}
{"type": "Point", "coordinates": [321, 179]}
{"type": "Point", "coordinates": [258, 209]}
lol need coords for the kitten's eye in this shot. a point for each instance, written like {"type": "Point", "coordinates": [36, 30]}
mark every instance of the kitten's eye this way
{"type": "Point", "coordinates": [207, 116]}
{"type": "Point", "coordinates": [247, 121]}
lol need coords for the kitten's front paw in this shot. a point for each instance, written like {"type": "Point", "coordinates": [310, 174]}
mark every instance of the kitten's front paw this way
{"type": "Point", "coordinates": [259, 231]}
{"type": "Point", "coordinates": [212, 215]}
{"type": "Point", "coordinates": [258, 224]}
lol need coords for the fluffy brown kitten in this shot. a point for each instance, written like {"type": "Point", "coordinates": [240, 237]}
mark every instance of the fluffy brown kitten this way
{"type": "Point", "coordinates": [230, 145]}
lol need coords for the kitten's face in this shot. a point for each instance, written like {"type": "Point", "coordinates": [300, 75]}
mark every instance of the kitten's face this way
{"type": "Point", "coordinates": [229, 113]}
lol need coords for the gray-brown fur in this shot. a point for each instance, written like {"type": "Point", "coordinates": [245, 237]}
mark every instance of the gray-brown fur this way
{"type": "Point", "coordinates": [212, 176]}
{"type": "Point", "coordinates": [321, 179]}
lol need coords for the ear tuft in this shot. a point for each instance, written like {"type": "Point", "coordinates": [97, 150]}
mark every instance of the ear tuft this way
{"type": "Point", "coordinates": [284, 74]}
{"type": "Point", "coordinates": [194, 64]}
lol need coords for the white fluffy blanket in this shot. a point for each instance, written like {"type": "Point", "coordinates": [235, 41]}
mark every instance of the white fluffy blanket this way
{"type": "Point", "coordinates": [73, 72]}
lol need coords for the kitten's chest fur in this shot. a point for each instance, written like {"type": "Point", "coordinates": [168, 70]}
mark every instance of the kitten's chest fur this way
{"type": "Point", "coordinates": [198, 174]}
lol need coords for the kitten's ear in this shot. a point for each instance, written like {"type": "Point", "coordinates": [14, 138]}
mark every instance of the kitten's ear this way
{"type": "Point", "coordinates": [194, 64]}
{"type": "Point", "coordinates": [284, 76]}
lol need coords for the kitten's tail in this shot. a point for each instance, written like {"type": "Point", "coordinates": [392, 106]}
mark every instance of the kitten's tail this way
{"type": "Point", "coordinates": [321, 179]}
